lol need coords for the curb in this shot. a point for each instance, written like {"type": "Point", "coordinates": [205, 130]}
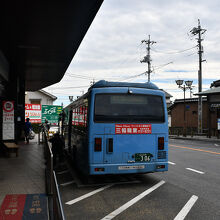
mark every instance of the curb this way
{"type": "Point", "coordinates": [194, 138]}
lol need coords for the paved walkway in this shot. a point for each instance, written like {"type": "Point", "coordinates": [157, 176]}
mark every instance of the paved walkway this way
{"type": "Point", "coordinates": [24, 174]}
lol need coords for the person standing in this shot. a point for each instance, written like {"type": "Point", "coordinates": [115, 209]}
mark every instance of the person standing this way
{"type": "Point", "coordinates": [27, 129]}
{"type": "Point", "coordinates": [57, 148]}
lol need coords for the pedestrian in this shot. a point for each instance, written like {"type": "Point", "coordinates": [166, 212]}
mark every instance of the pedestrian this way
{"type": "Point", "coordinates": [47, 125]}
{"type": "Point", "coordinates": [27, 129]}
{"type": "Point", "coordinates": [57, 148]}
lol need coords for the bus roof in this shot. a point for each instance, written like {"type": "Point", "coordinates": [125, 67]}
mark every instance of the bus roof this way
{"type": "Point", "coordinates": [103, 83]}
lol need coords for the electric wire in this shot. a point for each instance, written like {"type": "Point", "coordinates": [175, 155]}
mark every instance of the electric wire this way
{"type": "Point", "coordinates": [175, 52]}
{"type": "Point", "coordinates": [71, 87]}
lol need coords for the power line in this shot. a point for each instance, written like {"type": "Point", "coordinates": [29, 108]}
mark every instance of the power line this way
{"type": "Point", "coordinates": [161, 66]}
{"type": "Point", "coordinates": [134, 76]}
{"type": "Point", "coordinates": [72, 87]}
{"type": "Point", "coordinates": [90, 78]}
{"type": "Point", "coordinates": [79, 76]}
{"type": "Point", "coordinates": [176, 52]}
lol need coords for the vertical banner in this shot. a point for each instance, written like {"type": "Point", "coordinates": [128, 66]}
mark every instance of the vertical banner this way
{"type": "Point", "coordinates": [8, 126]}
{"type": "Point", "coordinates": [79, 116]}
{"type": "Point", "coordinates": [218, 123]}
{"type": "Point", "coordinates": [33, 111]}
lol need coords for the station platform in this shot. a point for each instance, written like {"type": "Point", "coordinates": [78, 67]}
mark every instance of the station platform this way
{"type": "Point", "coordinates": [22, 183]}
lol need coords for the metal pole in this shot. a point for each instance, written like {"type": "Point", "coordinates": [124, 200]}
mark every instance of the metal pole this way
{"type": "Point", "coordinates": [198, 30]}
{"type": "Point", "coordinates": [184, 89]}
{"type": "Point", "coordinates": [39, 137]}
{"type": "Point", "coordinates": [200, 80]}
{"type": "Point", "coordinates": [148, 54]}
{"type": "Point", "coordinates": [147, 58]}
{"type": "Point", "coordinates": [184, 112]}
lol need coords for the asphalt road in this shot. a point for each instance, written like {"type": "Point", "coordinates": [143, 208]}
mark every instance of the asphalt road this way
{"type": "Point", "coordinates": [189, 190]}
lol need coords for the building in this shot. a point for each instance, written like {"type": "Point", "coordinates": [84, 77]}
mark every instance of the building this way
{"type": "Point", "coordinates": [213, 112]}
{"type": "Point", "coordinates": [191, 113]}
{"type": "Point", "coordinates": [39, 97]}
{"type": "Point", "coordinates": [169, 103]}
{"type": "Point", "coordinates": [210, 112]}
{"type": "Point", "coordinates": [36, 47]}
{"type": "Point", "coordinates": [168, 96]}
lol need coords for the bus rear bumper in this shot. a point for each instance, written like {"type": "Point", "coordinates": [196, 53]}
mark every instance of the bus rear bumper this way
{"type": "Point", "coordinates": [100, 169]}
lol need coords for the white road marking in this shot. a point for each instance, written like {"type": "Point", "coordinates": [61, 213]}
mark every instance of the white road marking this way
{"type": "Point", "coordinates": [185, 210]}
{"type": "Point", "coordinates": [216, 145]}
{"type": "Point", "coordinates": [67, 183]}
{"type": "Point", "coordinates": [62, 172]}
{"type": "Point", "coordinates": [113, 183]}
{"type": "Point", "coordinates": [88, 195]}
{"type": "Point", "coordinates": [171, 163]}
{"type": "Point", "coordinates": [132, 202]}
{"type": "Point", "coordinates": [197, 171]}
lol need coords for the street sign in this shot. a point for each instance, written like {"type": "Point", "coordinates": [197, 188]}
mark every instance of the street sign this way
{"type": "Point", "coordinates": [51, 113]}
{"type": "Point", "coordinates": [8, 120]}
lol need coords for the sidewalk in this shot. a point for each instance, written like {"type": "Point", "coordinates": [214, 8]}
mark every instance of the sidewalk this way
{"type": "Point", "coordinates": [195, 138]}
{"type": "Point", "coordinates": [25, 174]}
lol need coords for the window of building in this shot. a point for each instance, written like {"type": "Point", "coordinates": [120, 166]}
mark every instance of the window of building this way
{"type": "Point", "coordinates": [35, 101]}
{"type": "Point", "coordinates": [194, 112]}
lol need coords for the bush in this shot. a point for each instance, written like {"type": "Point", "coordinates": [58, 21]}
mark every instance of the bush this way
{"type": "Point", "coordinates": [35, 127]}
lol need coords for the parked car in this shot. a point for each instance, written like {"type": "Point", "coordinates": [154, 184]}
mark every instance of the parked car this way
{"type": "Point", "coordinates": [53, 130]}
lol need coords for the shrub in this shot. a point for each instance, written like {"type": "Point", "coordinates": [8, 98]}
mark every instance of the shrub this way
{"type": "Point", "coordinates": [35, 127]}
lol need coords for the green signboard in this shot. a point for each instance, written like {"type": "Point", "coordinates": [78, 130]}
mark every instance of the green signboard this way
{"type": "Point", "coordinates": [51, 113]}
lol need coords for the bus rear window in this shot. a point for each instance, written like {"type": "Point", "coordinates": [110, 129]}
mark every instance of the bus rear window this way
{"type": "Point", "coordinates": [128, 108]}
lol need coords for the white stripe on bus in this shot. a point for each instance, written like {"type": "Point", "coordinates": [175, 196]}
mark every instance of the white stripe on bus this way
{"type": "Point", "coordinates": [185, 210]}
{"type": "Point", "coordinates": [88, 195]}
{"type": "Point", "coordinates": [132, 202]}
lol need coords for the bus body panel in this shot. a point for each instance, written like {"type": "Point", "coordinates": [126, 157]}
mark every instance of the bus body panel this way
{"type": "Point", "coordinates": [126, 146]}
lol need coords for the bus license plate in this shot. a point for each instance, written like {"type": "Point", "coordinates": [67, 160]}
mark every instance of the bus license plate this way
{"type": "Point", "coordinates": [131, 167]}
{"type": "Point", "coordinates": [143, 157]}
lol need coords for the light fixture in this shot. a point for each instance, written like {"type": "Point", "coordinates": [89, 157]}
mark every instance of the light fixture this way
{"type": "Point", "coordinates": [71, 98]}
{"type": "Point", "coordinates": [188, 83]}
{"type": "Point", "coordinates": [179, 82]}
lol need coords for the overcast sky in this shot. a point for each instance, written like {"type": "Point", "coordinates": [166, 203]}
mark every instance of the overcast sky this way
{"type": "Point", "coordinates": [112, 48]}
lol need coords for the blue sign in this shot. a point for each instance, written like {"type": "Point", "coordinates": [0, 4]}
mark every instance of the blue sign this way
{"type": "Point", "coordinates": [35, 207]}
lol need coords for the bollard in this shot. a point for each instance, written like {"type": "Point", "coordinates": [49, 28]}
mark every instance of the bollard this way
{"type": "Point", "coordinates": [39, 137]}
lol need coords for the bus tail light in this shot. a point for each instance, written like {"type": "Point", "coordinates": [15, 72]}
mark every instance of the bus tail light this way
{"type": "Point", "coordinates": [160, 166]}
{"type": "Point", "coordinates": [161, 143]}
{"type": "Point", "coordinates": [110, 145]}
{"type": "Point", "coordinates": [98, 144]}
{"type": "Point", "coordinates": [97, 169]}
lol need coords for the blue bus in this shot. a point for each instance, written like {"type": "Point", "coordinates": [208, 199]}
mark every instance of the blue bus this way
{"type": "Point", "coordinates": [118, 128]}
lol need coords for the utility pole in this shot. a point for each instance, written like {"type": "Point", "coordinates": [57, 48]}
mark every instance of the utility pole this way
{"type": "Point", "coordinates": [199, 31]}
{"type": "Point", "coordinates": [92, 82]}
{"type": "Point", "coordinates": [147, 58]}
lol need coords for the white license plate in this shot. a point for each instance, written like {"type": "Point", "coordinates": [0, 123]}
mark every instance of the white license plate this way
{"type": "Point", "coordinates": [131, 167]}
